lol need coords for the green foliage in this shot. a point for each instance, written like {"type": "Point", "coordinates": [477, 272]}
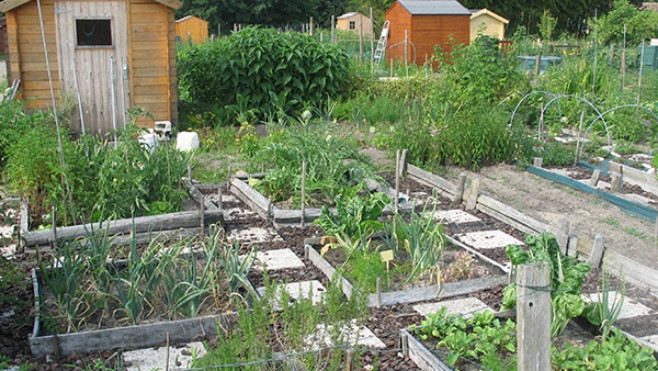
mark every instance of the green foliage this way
{"type": "Point", "coordinates": [547, 25]}
{"type": "Point", "coordinates": [615, 352]}
{"type": "Point", "coordinates": [639, 24]}
{"type": "Point", "coordinates": [567, 276]}
{"type": "Point", "coordinates": [261, 71]}
{"type": "Point", "coordinates": [556, 154]}
{"type": "Point", "coordinates": [356, 217]}
{"type": "Point", "coordinates": [482, 338]}
{"type": "Point", "coordinates": [15, 123]}
{"type": "Point", "coordinates": [332, 163]}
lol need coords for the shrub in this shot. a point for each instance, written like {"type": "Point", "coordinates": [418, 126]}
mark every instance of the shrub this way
{"type": "Point", "coordinates": [261, 71]}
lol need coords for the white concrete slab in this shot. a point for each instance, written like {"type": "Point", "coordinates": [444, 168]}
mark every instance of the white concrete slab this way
{"type": "Point", "coordinates": [462, 307]}
{"type": "Point", "coordinates": [8, 252]}
{"type": "Point", "coordinates": [453, 216]}
{"type": "Point", "coordinates": [237, 213]}
{"type": "Point", "coordinates": [349, 333]}
{"type": "Point", "coordinates": [253, 235]}
{"type": "Point", "coordinates": [6, 231]}
{"type": "Point", "coordinates": [630, 308]}
{"type": "Point", "coordinates": [652, 339]}
{"type": "Point", "coordinates": [313, 290]}
{"type": "Point", "coordinates": [488, 239]}
{"type": "Point", "coordinates": [277, 260]}
{"type": "Point", "coordinates": [156, 359]}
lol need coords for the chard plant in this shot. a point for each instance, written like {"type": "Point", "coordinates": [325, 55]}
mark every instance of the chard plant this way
{"type": "Point", "coordinates": [567, 275]}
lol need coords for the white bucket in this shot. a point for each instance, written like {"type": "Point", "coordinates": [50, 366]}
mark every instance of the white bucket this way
{"type": "Point", "coordinates": [148, 140]}
{"type": "Point", "coordinates": [187, 141]}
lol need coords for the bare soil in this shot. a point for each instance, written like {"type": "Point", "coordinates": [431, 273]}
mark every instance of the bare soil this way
{"type": "Point", "coordinates": [550, 202]}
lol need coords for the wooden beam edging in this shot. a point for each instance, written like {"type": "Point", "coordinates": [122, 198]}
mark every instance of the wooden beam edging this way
{"type": "Point", "coordinates": [259, 203]}
{"type": "Point", "coordinates": [480, 256]}
{"type": "Point", "coordinates": [637, 177]}
{"type": "Point", "coordinates": [512, 216]}
{"type": "Point", "coordinates": [432, 180]}
{"type": "Point", "coordinates": [323, 265]}
{"type": "Point", "coordinates": [287, 216]}
{"type": "Point", "coordinates": [137, 336]}
{"type": "Point", "coordinates": [420, 355]}
{"type": "Point", "coordinates": [142, 224]}
{"type": "Point", "coordinates": [448, 290]}
{"type": "Point", "coordinates": [630, 270]}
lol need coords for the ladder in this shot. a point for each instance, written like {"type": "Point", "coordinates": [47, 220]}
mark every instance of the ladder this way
{"type": "Point", "coordinates": [381, 44]}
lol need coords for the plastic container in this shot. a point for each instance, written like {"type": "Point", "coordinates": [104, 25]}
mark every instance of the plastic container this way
{"type": "Point", "coordinates": [187, 141]}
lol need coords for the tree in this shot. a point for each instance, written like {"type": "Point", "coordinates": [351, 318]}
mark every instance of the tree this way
{"type": "Point", "coordinates": [639, 24]}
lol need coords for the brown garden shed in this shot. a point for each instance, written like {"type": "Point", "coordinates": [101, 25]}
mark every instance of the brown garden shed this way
{"type": "Point", "coordinates": [192, 29]}
{"type": "Point", "coordinates": [427, 23]}
{"type": "Point", "coordinates": [116, 54]}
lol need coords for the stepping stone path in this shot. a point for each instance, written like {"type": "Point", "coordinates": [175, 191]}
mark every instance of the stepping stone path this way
{"type": "Point", "coordinates": [156, 359]}
{"type": "Point", "coordinates": [453, 216]}
{"type": "Point", "coordinates": [630, 308]}
{"type": "Point", "coordinates": [253, 235]}
{"type": "Point", "coordinates": [349, 333]}
{"type": "Point", "coordinates": [313, 290]}
{"type": "Point", "coordinates": [463, 307]}
{"type": "Point", "coordinates": [275, 260]}
{"type": "Point", "coordinates": [487, 239]}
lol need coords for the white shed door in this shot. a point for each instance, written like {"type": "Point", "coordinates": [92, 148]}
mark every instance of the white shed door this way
{"type": "Point", "coordinates": [92, 41]}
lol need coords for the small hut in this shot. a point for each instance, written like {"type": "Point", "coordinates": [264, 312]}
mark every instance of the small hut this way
{"type": "Point", "coordinates": [116, 54]}
{"type": "Point", "coordinates": [192, 29]}
{"type": "Point", "coordinates": [354, 22]}
{"type": "Point", "coordinates": [427, 23]}
{"type": "Point", "coordinates": [487, 23]}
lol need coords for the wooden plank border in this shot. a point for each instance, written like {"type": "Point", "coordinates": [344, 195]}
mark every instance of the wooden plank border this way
{"type": "Point", "coordinates": [254, 199]}
{"type": "Point", "coordinates": [422, 357]}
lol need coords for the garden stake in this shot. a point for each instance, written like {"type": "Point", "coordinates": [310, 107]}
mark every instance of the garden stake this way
{"type": "Point", "coordinates": [379, 292]}
{"type": "Point", "coordinates": [397, 179]}
{"type": "Point", "coordinates": [219, 197]}
{"type": "Point", "coordinates": [303, 191]}
{"type": "Point", "coordinates": [262, 166]}
{"type": "Point", "coordinates": [349, 359]}
{"type": "Point", "coordinates": [53, 217]}
{"type": "Point", "coordinates": [202, 212]}
{"type": "Point", "coordinates": [639, 80]}
{"type": "Point", "coordinates": [189, 173]}
{"type": "Point", "coordinates": [580, 129]}
{"type": "Point", "coordinates": [623, 62]}
{"type": "Point", "coordinates": [167, 366]}
{"type": "Point", "coordinates": [372, 42]}
{"type": "Point", "coordinates": [228, 184]}
{"type": "Point", "coordinates": [113, 83]}
{"type": "Point", "coordinates": [655, 237]}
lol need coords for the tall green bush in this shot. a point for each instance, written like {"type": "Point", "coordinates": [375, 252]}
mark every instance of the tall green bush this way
{"type": "Point", "coordinates": [262, 72]}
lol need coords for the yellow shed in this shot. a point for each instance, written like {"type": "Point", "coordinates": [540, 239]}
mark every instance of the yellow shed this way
{"type": "Point", "coordinates": [116, 54]}
{"type": "Point", "coordinates": [353, 22]}
{"type": "Point", "coordinates": [192, 29]}
{"type": "Point", "coordinates": [487, 23]}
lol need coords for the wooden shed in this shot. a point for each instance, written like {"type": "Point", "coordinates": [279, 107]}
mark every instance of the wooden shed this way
{"type": "Point", "coordinates": [354, 22]}
{"type": "Point", "coordinates": [487, 23]}
{"type": "Point", "coordinates": [116, 54]}
{"type": "Point", "coordinates": [192, 29]}
{"type": "Point", "coordinates": [427, 23]}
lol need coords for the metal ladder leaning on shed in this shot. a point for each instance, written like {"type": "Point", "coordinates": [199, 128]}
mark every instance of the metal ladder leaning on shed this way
{"type": "Point", "coordinates": [381, 44]}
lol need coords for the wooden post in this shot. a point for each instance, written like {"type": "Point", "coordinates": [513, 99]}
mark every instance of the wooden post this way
{"type": "Point", "coordinates": [220, 197]}
{"type": "Point", "coordinates": [372, 40]}
{"type": "Point", "coordinates": [349, 359]}
{"type": "Point", "coordinates": [655, 233]}
{"type": "Point", "coordinates": [303, 191]}
{"type": "Point", "coordinates": [379, 292]}
{"type": "Point", "coordinates": [533, 315]}
{"type": "Point", "coordinates": [262, 166]}
{"type": "Point", "coordinates": [612, 54]}
{"type": "Point", "coordinates": [537, 162]}
{"type": "Point", "coordinates": [538, 65]}
{"type": "Point", "coordinates": [228, 182]}
{"type": "Point", "coordinates": [472, 201]}
{"type": "Point", "coordinates": [406, 52]}
{"type": "Point", "coordinates": [333, 29]}
{"type": "Point", "coordinates": [189, 173]}
{"type": "Point", "coordinates": [310, 32]}
{"type": "Point", "coordinates": [617, 181]}
{"type": "Point", "coordinates": [397, 179]}
{"type": "Point", "coordinates": [580, 130]}
{"type": "Point", "coordinates": [202, 214]}
{"type": "Point", "coordinates": [361, 38]}
{"type": "Point", "coordinates": [461, 185]}
{"type": "Point", "coordinates": [623, 61]}
{"type": "Point", "coordinates": [404, 345]}
{"type": "Point", "coordinates": [53, 217]}
{"type": "Point", "coordinates": [391, 60]}
{"type": "Point", "coordinates": [404, 162]}
{"type": "Point", "coordinates": [598, 249]}
{"type": "Point", "coordinates": [594, 180]}
{"type": "Point", "coordinates": [563, 235]}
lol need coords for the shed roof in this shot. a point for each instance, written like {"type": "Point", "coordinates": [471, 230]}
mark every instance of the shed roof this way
{"type": "Point", "coordinates": [8, 5]}
{"type": "Point", "coordinates": [347, 15]}
{"type": "Point", "coordinates": [479, 12]}
{"type": "Point", "coordinates": [434, 7]}
{"type": "Point", "coordinates": [190, 17]}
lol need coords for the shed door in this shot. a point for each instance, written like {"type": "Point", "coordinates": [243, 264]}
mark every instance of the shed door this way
{"type": "Point", "coordinates": [92, 38]}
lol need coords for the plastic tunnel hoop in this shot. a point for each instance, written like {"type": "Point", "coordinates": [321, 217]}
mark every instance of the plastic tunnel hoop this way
{"type": "Point", "coordinates": [625, 205]}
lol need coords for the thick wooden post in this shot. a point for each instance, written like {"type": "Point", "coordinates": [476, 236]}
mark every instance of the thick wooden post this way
{"type": "Point", "coordinates": [563, 238]}
{"type": "Point", "coordinates": [598, 249]}
{"type": "Point", "coordinates": [472, 201]}
{"type": "Point", "coordinates": [538, 162]}
{"type": "Point", "coordinates": [594, 180]}
{"type": "Point", "coordinates": [461, 186]}
{"type": "Point", "coordinates": [228, 182]}
{"type": "Point", "coordinates": [533, 314]}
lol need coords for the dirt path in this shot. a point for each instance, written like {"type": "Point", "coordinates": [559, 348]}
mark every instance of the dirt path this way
{"type": "Point", "coordinates": [549, 202]}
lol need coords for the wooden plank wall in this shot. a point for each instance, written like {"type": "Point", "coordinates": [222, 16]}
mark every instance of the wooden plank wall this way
{"type": "Point", "coordinates": [28, 61]}
{"type": "Point", "coordinates": [431, 30]}
{"type": "Point", "coordinates": [173, 77]}
{"type": "Point", "coordinates": [152, 37]}
{"type": "Point", "coordinates": [192, 29]}
{"type": "Point", "coordinates": [400, 20]}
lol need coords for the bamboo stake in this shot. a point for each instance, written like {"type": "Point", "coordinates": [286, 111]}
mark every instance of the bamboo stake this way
{"type": "Point", "coordinates": [303, 192]}
{"type": "Point", "coordinates": [397, 179]}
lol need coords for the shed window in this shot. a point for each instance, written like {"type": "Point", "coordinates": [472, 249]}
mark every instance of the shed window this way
{"type": "Point", "coordinates": [94, 32]}
{"type": "Point", "coordinates": [352, 25]}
